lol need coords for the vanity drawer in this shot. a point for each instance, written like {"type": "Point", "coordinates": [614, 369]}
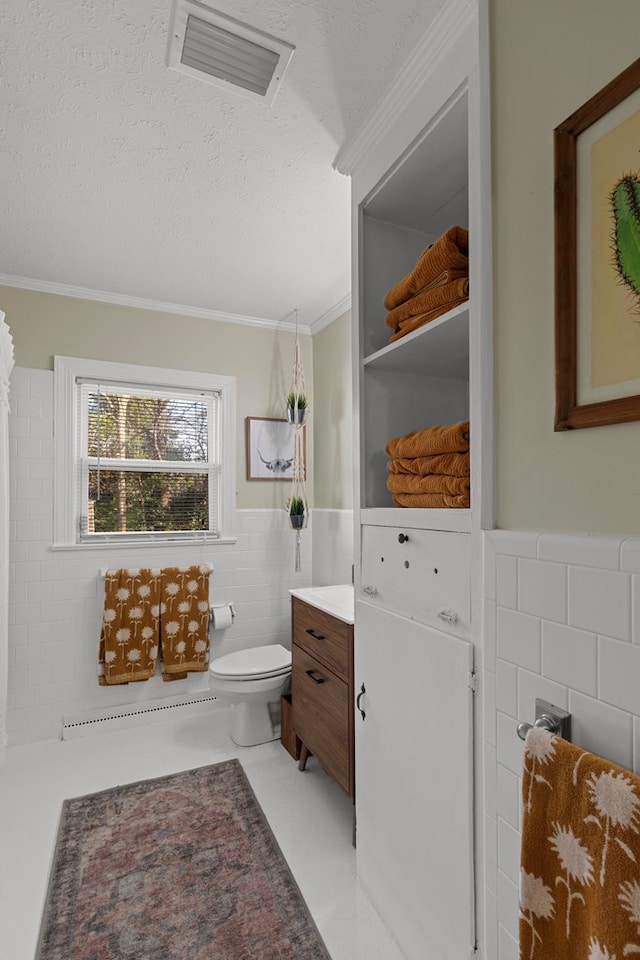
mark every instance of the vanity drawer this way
{"type": "Point", "coordinates": [322, 636]}
{"type": "Point", "coordinates": [321, 706]}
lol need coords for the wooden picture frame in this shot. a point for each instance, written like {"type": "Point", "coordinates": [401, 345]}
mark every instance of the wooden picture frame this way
{"type": "Point", "coordinates": [270, 448]}
{"type": "Point", "coordinates": [597, 310]}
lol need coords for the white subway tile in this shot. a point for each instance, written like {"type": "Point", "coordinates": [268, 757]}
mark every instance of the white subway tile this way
{"type": "Point", "coordinates": [581, 549]}
{"type": "Point", "coordinates": [509, 850]}
{"type": "Point", "coordinates": [490, 926]}
{"type": "Point", "coordinates": [600, 601]}
{"type": "Point", "coordinates": [508, 948]}
{"type": "Point", "coordinates": [519, 639]}
{"type": "Point", "coordinates": [27, 530]}
{"type": "Point", "coordinates": [489, 617]}
{"type": "Point", "coordinates": [18, 470]}
{"type": "Point", "coordinates": [490, 763]}
{"type": "Point", "coordinates": [489, 706]}
{"type": "Point", "coordinates": [26, 612]}
{"type": "Point", "coordinates": [491, 854]}
{"type": "Point", "coordinates": [507, 581]}
{"type": "Point", "coordinates": [508, 796]}
{"type": "Point", "coordinates": [569, 657]}
{"type": "Point", "coordinates": [39, 509]}
{"type": "Point", "coordinates": [542, 589]}
{"type": "Point", "coordinates": [28, 490]}
{"type": "Point", "coordinates": [506, 690]}
{"type": "Point", "coordinates": [26, 697]}
{"type": "Point", "coordinates": [26, 572]}
{"type": "Point", "coordinates": [41, 427]}
{"type": "Point", "coordinates": [510, 747]}
{"type": "Point", "coordinates": [630, 555]}
{"type": "Point", "coordinates": [489, 565]}
{"type": "Point", "coordinates": [636, 745]}
{"type": "Point", "coordinates": [601, 729]}
{"type": "Point", "coordinates": [57, 693]}
{"type": "Point", "coordinates": [635, 609]}
{"type": "Point", "coordinates": [29, 448]}
{"type": "Point", "coordinates": [20, 383]}
{"type": "Point", "coordinates": [619, 665]}
{"type": "Point", "coordinates": [40, 469]}
{"type": "Point", "coordinates": [517, 543]}
{"type": "Point", "coordinates": [41, 385]}
{"type": "Point", "coordinates": [508, 909]}
{"type": "Point", "coordinates": [18, 427]}
{"type": "Point", "coordinates": [25, 655]}
{"type": "Point", "coordinates": [28, 407]}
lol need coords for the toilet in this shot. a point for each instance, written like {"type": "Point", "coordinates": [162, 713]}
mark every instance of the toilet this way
{"type": "Point", "coordinates": [252, 681]}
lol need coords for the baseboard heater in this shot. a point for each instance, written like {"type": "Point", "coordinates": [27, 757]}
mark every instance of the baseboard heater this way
{"type": "Point", "coordinates": [129, 715]}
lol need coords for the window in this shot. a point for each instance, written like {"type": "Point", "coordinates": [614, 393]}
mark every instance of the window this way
{"type": "Point", "coordinates": [142, 454]}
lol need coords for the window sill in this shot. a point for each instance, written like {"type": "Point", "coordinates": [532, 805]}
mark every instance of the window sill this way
{"type": "Point", "coordinates": [141, 545]}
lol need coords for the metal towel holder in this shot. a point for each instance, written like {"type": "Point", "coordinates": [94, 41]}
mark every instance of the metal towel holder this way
{"type": "Point", "coordinates": [548, 717]}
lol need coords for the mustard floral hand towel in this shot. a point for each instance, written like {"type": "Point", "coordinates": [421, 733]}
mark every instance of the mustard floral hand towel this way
{"type": "Point", "coordinates": [580, 862]}
{"type": "Point", "coordinates": [184, 626]}
{"type": "Point", "coordinates": [129, 638]}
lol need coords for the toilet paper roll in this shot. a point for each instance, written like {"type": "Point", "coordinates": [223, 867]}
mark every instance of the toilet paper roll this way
{"type": "Point", "coordinates": [221, 616]}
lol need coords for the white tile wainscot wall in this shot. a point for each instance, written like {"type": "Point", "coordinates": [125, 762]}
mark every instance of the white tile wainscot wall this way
{"type": "Point", "coordinates": [56, 596]}
{"type": "Point", "coordinates": [561, 622]}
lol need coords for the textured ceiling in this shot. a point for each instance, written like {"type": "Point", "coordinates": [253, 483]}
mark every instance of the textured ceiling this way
{"type": "Point", "coordinates": [120, 175]}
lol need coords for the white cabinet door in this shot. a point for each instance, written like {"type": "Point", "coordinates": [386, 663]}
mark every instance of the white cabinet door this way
{"type": "Point", "coordinates": [414, 782]}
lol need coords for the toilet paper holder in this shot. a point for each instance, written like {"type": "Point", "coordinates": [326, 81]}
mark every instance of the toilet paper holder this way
{"type": "Point", "coordinates": [220, 606]}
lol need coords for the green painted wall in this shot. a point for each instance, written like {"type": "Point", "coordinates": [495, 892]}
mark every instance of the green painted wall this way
{"type": "Point", "coordinates": [43, 325]}
{"type": "Point", "coordinates": [548, 58]}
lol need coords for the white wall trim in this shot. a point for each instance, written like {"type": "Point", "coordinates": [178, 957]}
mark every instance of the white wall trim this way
{"type": "Point", "coordinates": [141, 303]}
{"type": "Point", "coordinates": [418, 67]}
{"type": "Point", "coordinates": [331, 314]}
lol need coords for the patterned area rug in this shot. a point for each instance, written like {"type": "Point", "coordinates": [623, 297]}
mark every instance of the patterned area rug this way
{"type": "Point", "coordinates": [184, 867]}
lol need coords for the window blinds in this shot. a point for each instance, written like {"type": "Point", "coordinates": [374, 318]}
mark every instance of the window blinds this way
{"type": "Point", "coordinates": [148, 462]}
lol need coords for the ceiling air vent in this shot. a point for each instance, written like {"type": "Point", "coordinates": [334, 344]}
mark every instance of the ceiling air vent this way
{"type": "Point", "coordinates": [216, 48]}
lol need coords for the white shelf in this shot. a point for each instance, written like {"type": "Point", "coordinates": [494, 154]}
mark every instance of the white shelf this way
{"type": "Point", "coordinates": [438, 349]}
{"type": "Point", "coordinates": [457, 521]}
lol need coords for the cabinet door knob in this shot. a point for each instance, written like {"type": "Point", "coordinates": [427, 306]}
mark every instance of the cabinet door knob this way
{"type": "Point", "coordinates": [358, 699]}
{"type": "Point", "coordinates": [311, 673]}
{"type": "Point", "coordinates": [316, 636]}
{"type": "Point", "coordinates": [449, 616]}
{"type": "Point", "coordinates": [370, 591]}
{"type": "Point", "coordinates": [403, 537]}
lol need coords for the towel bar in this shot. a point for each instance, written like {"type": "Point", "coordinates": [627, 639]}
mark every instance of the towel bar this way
{"type": "Point", "coordinates": [548, 717]}
{"type": "Point", "coordinates": [103, 572]}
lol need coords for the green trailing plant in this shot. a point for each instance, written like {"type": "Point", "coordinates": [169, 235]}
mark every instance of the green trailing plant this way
{"type": "Point", "coordinates": [625, 201]}
{"type": "Point", "coordinates": [297, 399]}
{"type": "Point", "coordinates": [295, 506]}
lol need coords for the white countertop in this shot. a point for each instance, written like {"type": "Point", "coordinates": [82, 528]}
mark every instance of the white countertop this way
{"type": "Point", "coordinates": [336, 600]}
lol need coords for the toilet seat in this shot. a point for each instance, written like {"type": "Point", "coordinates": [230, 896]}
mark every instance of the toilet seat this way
{"type": "Point", "coordinates": [272, 660]}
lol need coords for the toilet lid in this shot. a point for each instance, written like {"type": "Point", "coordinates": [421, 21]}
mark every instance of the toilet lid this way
{"type": "Point", "coordinates": [268, 661]}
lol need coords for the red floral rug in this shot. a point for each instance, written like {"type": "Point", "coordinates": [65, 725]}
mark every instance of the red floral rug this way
{"type": "Point", "coordinates": [184, 867]}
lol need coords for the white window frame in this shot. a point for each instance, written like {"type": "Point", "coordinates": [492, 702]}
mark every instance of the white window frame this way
{"type": "Point", "coordinates": [67, 371]}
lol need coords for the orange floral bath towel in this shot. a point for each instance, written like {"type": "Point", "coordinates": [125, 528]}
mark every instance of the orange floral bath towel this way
{"type": "Point", "coordinates": [184, 634]}
{"type": "Point", "coordinates": [580, 861]}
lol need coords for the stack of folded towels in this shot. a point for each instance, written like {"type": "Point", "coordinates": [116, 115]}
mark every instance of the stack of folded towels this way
{"type": "Point", "coordinates": [431, 467]}
{"type": "Point", "coordinates": [438, 283]}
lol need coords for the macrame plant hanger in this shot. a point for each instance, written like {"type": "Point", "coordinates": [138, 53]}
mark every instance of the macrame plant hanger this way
{"type": "Point", "coordinates": [297, 413]}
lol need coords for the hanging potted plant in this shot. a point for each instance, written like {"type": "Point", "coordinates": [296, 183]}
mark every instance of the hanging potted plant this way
{"type": "Point", "coordinates": [297, 512]}
{"type": "Point", "coordinates": [296, 408]}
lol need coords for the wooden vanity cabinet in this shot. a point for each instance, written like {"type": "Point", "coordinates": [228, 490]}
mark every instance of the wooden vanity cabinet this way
{"type": "Point", "coordinates": [322, 690]}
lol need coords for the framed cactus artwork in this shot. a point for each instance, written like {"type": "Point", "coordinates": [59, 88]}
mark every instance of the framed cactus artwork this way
{"type": "Point", "coordinates": [597, 258]}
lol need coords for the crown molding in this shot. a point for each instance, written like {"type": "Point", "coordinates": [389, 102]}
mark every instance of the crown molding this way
{"type": "Point", "coordinates": [140, 303]}
{"type": "Point", "coordinates": [420, 64]}
{"type": "Point", "coordinates": [331, 314]}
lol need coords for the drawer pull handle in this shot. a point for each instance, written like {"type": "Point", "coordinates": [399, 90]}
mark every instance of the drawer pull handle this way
{"type": "Point", "coordinates": [311, 673]}
{"type": "Point", "coordinates": [370, 591]}
{"type": "Point", "coordinates": [358, 699]}
{"type": "Point", "coordinates": [449, 616]}
{"type": "Point", "coordinates": [316, 636]}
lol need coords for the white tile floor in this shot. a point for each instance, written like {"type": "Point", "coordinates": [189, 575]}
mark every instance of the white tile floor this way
{"type": "Point", "coordinates": [309, 814]}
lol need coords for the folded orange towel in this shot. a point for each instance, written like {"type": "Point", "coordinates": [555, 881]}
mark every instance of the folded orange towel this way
{"type": "Point", "coordinates": [408, 483]}
{"type": "Point", "coordinates": [449, 464]}
{"type": "Point", "coordinates": [129, 638]}
{"type": "Point", "coordinates": [451, 438]}
{"type": "Point", "coordinates": [449, 252]}
{"type": "Point", "coordinates": [432, 500]}
{"type": "Point", "coordinates": [184, 638]}
{"type": "Point", "coordinates": [426, 302]}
